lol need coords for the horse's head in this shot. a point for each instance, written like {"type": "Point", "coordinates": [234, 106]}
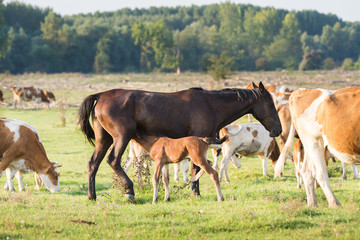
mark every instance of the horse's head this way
{"type": "Point", "coordinates": [265, 112]}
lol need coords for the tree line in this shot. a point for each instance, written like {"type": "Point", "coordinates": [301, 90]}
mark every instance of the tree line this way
{"type": "Point", "coordinates": [169, 39]}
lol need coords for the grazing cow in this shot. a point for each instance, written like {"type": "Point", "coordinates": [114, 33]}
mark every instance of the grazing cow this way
{"type": "Point", "coordinates": [326, 121]}
{"type": "Point", "coordinates": [118, 115]}
{"type": "Point", "coordinates": [165, 150]}
{"type": "Point", "coordinates": [21, 148]}
{"type": "Point", "coordinates": [136, 152]}
{"type": "Point", "coordinates": [1, 96]}
{"type": "Point", "coordinates": [50, 96]}
{"type": "Point", "coordinates": [247, 139]}
{"type": "Point", "coordinates": [10, 173]}
{"type": "Point", "coordinates": [29, 94]}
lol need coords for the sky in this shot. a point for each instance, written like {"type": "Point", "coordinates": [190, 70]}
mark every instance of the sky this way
{"type": "Point", "coordinates": [347, 10]}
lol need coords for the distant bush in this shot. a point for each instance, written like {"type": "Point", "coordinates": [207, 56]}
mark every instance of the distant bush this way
{"type": "Point", "coordinates": [347, 64]}
{"type": "Point", "coordinates": [311, 60]}
{"type": "Point", "coordinates": [329, 64]}
{"type": "Point", "coordinates": [261, 64]}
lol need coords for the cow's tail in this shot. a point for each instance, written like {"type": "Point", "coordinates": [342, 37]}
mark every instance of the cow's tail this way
{"type": "Point", "coordinates": [279, 167]}
{"type": "Point", "coordinates": [84, 113]}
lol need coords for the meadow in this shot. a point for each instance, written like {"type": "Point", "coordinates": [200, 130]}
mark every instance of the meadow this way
{"type": "Point", "coordinates": [255, 207]}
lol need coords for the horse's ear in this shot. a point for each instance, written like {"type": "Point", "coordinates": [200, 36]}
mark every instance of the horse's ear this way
{"type": "Point", "coordinates": [261, 86]}
{"type": "Point", "coordinates": [254, 85]}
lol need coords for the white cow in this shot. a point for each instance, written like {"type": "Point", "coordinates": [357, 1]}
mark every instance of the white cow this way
{"type": "Point", "coordinates": [327, 122]}
{"type": "Point", "coordinates": [247, 139]}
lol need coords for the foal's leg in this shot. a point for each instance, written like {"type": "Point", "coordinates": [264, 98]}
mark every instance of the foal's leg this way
{"type": "Point", "coordinates": [195, 185]}
{"type": "Point", "coordinates": [203, 163]}
{"type": "Point", "coordinates": [165, 178]}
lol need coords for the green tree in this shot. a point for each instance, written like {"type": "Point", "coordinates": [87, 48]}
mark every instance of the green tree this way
{"type": "Point", "coordinates": [102, 59]}
{"type": "Point", "coordinates": [220, 67]}
{"type": "Point", "coordinates": [3, 36]}
{"type": "Point", "coordinates": [51, 27]}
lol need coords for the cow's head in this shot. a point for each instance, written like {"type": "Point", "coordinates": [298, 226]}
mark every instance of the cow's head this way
{"type": "Point", "coordinates": [51, 178]}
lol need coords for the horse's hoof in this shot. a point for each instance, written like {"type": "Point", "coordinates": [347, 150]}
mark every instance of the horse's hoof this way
{"type": "Point", "coordinates": [130, 197]}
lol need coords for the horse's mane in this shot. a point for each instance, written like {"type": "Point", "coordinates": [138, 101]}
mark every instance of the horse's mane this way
{"type": "Point", "coordinates": [251, 95]}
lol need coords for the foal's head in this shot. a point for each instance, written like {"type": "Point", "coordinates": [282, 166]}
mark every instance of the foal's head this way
{"type": "Point", "coordinates": [264, 111]}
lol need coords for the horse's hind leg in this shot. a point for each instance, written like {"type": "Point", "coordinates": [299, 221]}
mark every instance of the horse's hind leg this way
{"type": "Point", "coordinates": [195, 185]}
{"type": "Point", "coordinates": [103, 142]}
{"type": "Point", "coordinates": [114, 160]}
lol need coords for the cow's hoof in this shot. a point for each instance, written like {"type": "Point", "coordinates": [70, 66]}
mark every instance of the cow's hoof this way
{"type": "Point", "coordinates": [130, 197]}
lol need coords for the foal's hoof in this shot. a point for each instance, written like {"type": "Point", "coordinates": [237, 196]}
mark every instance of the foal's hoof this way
{"type": "Point", "coordinates": [130, 197]}
{"type": "Point", "coordinates": [220, 199]}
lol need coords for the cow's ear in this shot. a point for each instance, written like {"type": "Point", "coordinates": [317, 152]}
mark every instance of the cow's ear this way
{"type": "Point", "coordinates": [254, 85]}
{"type": "Point", "coordinates": [261, 86]}
{"type": "Point", "coordinates": [56, 165]}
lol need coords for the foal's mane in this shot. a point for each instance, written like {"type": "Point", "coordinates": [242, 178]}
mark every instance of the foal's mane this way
{"type": "Point", "coordinates": [250, 95]}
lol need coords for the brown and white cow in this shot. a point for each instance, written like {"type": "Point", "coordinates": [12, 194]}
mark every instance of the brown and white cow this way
{"type": "Point", "coordinates": [21, 148]}
{"type": "Point", "coordinates": [248, 139]}
{"type": "Point", "coordinates": [326, 121]}
{"type": "Point", "coordinates": [29, 94]}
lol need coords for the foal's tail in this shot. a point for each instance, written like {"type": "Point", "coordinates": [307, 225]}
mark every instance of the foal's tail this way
{"type": "Point", "coordinates": [85, 110]}
{"type": "Point", "coordinates": [214, 142]}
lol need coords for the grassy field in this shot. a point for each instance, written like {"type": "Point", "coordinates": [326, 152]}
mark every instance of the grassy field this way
{"type": "Point", "coordinates": [255, 207]}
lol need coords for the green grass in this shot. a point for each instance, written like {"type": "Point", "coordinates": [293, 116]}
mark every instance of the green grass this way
{"type": "Point", "coordinates": [255, 207]}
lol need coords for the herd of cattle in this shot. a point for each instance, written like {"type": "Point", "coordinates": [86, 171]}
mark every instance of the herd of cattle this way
{"type": "Point", "coordinates": [324, 122]}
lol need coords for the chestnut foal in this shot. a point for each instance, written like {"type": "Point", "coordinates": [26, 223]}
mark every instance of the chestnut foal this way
{"type": "Point", "coordinates": [164, 150]}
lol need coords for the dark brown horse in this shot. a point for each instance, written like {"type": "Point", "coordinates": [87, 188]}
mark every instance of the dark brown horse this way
{"type": "Point", "coordinates": [118, 115]}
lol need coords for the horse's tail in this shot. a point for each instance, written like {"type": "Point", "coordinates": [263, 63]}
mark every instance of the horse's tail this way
{"type": "Point", "coordinates": [214, 142]}
{"type": "Point", "coordinates": [85, 110]}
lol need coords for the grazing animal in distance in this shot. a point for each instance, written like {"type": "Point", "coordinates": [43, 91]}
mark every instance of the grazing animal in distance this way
{"type": "Point", "coordinates": [326, 122]}
{"type": "Point", "coordinates": [50, 96]}
{"type": "Point", "coordinates": [21, 148]}
{"type": "Point", "coordinates": [248, 139]}
{"type": "Point", "coordinates": [31, 93]}
{"type": "Point", "coordinates": [166, 150]}
{"type": "Point", "coordinates": [118, 115]}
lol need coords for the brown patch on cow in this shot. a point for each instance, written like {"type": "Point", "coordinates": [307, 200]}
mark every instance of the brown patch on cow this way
{"type": "Point", "coordinates": [339, 116]}
{"type": "Point", "coordinates": [298, 148]}
{"type": "Point", "coordinates": [255, 133]}
{"type": "Point", "coordinates": [224, 133]}
{"type": "Point", "coordinates": [247, 128]}
{"type": "Point", "coordinates": [300, 100]}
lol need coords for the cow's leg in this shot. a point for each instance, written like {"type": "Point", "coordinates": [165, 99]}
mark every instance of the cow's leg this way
{"type": "Point", "coordinates": [344, 175]}
{"type": "Point", "coordinates": [19, 177]}
{"type": "Point", "coordinates": [132, 156]}
{"type": "Point", "coordinates": [176, 171]}
{"type": "Point", "coordinates": [185, 169]}
{"type": "Point", "coordinates": [355, 171]}
{"type": "Point", "coordinates": [157, 169]}
{"type": "Point", "coordinates": [9, 179]}
{"type": "Point", "coordinates": [38, 181]}
{"type": "Point", "coordinates": [307, 175]}
{"type": "Point", "coordinates": [227, 153]}
{"type": "Point", "coordinates": [165, 178]}
{"type": "Point", "coordinates": [317, 153]}
{"type": "Point", "coordinates": [236, 161]}
{"type": "Point", "coordinates": [264, 161]}
{"type": "Point", "coordinates": [216, 157]}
